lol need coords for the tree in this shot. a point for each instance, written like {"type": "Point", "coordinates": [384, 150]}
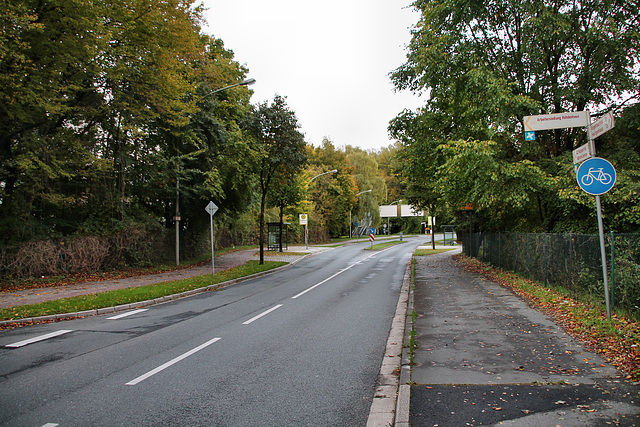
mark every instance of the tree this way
{"type": "Point", "coordinates": [368, 177]}
{"type": "Point", "coordinates": [279, 145]}
{"type": "Point", "coordinates": [106, 108]}
{"type": "Point", "coordinates": [84, 84]}
{"type": "Point", "coordinates": [332, 198]}
{"type": "Point", "coordinates": [485, 65]}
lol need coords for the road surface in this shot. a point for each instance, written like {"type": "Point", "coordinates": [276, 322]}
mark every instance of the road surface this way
{"type": "Point", "coordinates": [302, 346]}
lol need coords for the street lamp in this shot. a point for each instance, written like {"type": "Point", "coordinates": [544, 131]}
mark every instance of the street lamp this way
{"type": "Point", "coordinates": [246, 82]}
{"type": "Point", "coordinates": [365, 191]}
{"type": "Point", "coordinates": [324, 173]}
{"type": "Point", "coordinates": [177, 218]}
{"type": "Point", "coordinates": [306, 229]}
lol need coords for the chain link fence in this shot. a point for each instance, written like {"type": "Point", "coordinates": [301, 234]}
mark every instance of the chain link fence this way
{"type": "Point", "coordinates": [571, 261]}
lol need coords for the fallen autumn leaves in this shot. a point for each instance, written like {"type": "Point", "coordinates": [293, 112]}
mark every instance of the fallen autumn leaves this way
{"type": "Point", "coordinates": [617, 339]}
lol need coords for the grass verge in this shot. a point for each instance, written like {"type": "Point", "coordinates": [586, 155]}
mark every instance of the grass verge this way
{"type": "Point", "coordinates": [132, 295]}
{"type": "Point", "coordinates": [384, 245]}
{"type": "Point", "coordinates": [422, 252]}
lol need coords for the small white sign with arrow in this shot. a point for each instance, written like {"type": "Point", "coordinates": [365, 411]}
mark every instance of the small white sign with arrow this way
{"type": "Point", "coordinates": [602, 125]}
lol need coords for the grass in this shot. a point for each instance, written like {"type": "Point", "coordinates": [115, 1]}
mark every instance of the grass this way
{"type": "Point", "coordinates": [274, 253]}
{"type": "Point", "coordinates": [132, 295]}
{"type": "Point", "coordinates": [423, 252]}
{"type": "Point", "coordinates": [384, 245]}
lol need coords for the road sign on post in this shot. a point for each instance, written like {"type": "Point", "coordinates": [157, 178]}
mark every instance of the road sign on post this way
{"type": "Point", "coordinates": [556, 121]}
{"type": "Point", "coordinates": [596, 176]}
{"type": "Point", "coordinates": [602, 125]}
{"type": "Point", "coordinates": [583, 153]}
{"type": "Point", "coordinates": [212, 209]}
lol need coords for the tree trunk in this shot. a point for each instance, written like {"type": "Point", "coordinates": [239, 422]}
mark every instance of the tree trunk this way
{"type": "Point", "coordinates": [262, 206]}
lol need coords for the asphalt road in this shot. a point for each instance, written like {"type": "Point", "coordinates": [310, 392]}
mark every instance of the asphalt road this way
{"type": "Point", "coordinates": [302, 346]}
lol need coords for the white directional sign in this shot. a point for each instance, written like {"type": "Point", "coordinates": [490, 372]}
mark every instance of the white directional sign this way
{"type": "Point", "coordinates": [555, 121]}
{"type": "Point", "coordinates": [583, 153]}
{"type": "Point", "coordinates": [602, 125]}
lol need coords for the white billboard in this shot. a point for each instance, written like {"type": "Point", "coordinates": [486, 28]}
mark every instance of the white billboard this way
{"type": "Point", "coordinates": [396, 211]}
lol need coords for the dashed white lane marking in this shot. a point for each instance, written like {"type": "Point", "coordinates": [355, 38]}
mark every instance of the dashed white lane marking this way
{"type": "Point", "coordinates": [338, 273]}
{"type": "Point", "coordinates": [128, 313]}
{"type": "Point", "coordinates": [320, 283]}
{"type": "Point", "coordinates": [172, 362]}
{"type": "Point", "coordinates": [39, 338]}
{"type": "Point", "coordinates": [264, 313]}
{"type": "Point", "coordinates": [50, 425]}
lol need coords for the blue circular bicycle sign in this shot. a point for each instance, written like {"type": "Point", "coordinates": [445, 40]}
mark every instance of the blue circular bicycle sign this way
{"type": "Point", "coordinates": [596, 176]}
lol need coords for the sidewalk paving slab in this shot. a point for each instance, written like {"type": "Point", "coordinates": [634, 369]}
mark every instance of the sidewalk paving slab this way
{"type": "Point", "coordinates": [484, 357]}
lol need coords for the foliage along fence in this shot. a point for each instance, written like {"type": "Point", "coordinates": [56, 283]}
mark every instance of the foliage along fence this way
{"type": "Point", "coordinates": [134, 246]}
{"type": "Point", "coordinates": [570, 261]}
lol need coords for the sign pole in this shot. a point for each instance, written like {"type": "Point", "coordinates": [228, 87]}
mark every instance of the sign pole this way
{"type": "Point", "coordinates": [603, 254]}
{"type": "Point", "coordinates": [592, 179]}
{"type": "Point", "coordinates": [212, 209]}
{"type": "Point", "coordinates": [213, 268]}
{"type": "Point", "coordinates": [304, 220]}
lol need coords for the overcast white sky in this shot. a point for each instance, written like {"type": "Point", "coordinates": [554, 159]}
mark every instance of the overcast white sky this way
{"type": "Point", "coordinates": [330, 58]}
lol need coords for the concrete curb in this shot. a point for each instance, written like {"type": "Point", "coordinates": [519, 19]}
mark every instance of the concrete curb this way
{"type": "Point", "coordinates": [140, 304]}
{"type": "Point", "coordinates": [390, 405]}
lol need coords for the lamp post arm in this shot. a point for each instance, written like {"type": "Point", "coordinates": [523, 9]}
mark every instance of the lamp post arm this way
{"type": "Point", "coordinates": [246, 82]}
{"type": "Point", "coordinates": [324, 173]}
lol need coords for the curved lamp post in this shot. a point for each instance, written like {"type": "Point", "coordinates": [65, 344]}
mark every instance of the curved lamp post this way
{"type": "Point", "coordinates": [365, 191]}
{"type": "Point", "coordinates": [177, 218]}
{"type": "Point", "coordinates": [246, 82]}
{"type": "Point", "coordinates": [306, 229]}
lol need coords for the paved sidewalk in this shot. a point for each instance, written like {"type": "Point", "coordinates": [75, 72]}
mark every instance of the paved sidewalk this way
{"type": "Point", "coordinates": [484, 357]}
{"type": "Point", "coordinates": [223, 262]}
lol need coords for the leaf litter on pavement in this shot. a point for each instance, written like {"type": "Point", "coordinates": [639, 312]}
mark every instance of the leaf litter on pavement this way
{"type": "Point", "coordinates": [616, 339]}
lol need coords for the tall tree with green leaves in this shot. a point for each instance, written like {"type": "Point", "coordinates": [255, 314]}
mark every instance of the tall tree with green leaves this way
{"type": "Point", "coordinates": [367, 177]}
{"type": "Point", "coordinates": [280, 148]}
{"type": "Point", "coordinates": [485, 65]}
{"type": "Point", "coordinates": [333, 195]}
{"type": "Point", "coordinates": [84, 84]}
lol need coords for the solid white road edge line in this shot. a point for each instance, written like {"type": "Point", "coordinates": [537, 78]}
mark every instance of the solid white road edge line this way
{"type": "Point", "coordinates": [264, 313]}
{"type": "Point", "coordinates": [128, 313]}
{"type": "Point", "coordinates": [171, 362]}
{"type": "Point", "coordinates": [40, 338]}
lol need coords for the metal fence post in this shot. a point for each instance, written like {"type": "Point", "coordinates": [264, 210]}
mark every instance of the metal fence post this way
{"type": "Point", "coordinates": [499, 252]}
{"type": "Point", "coordinates": [515, 252]}
{"type": "Point", "coordinates": [613, 269]}
{"type": "Point", "coordinates": [528, 258]}
{"type": "Point", "coordinates": [544, 257]}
